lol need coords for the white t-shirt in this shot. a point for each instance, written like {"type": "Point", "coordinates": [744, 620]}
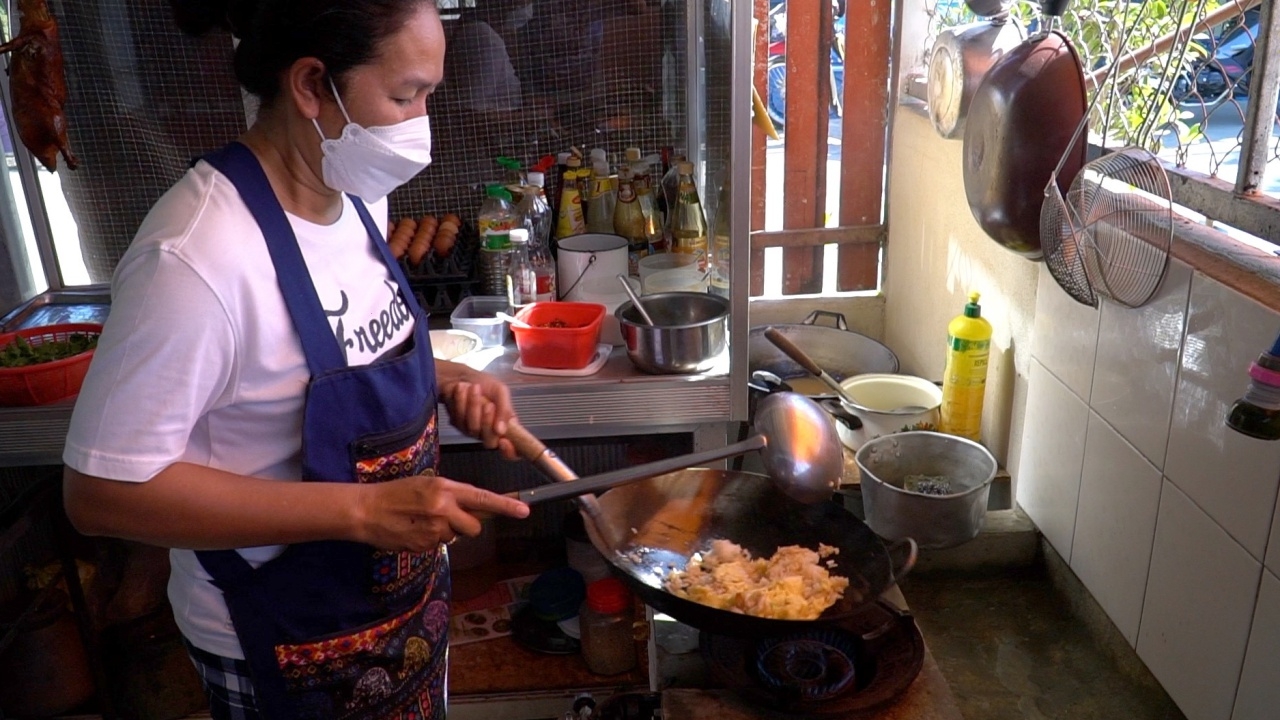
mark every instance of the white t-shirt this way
{"type": "Point", "coordinates": [199, 361]}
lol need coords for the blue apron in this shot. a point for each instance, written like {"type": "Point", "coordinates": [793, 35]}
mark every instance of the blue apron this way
{"type": "Point", "coordinates": [336, 629]}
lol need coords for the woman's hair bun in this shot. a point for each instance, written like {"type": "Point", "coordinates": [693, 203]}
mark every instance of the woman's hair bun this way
{"type": "Point", "coordinates": [197, 17]}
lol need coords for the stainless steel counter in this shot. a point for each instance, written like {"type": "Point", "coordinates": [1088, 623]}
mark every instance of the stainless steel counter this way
{"type": "Point", "coordinates": [617, 400]}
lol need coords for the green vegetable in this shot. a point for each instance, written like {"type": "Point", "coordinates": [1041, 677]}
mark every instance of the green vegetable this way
{"type": "Point", "coordinates": [21, 353]}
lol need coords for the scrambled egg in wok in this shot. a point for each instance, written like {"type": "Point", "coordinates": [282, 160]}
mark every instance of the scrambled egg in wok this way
{"type": "Point", "coordinates": [791, 585]}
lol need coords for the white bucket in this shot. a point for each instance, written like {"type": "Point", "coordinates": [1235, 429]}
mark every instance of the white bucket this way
{"type": "Point", "coordinates": [585, 257]}
{"type": "Point", "coordinates": [675, 281]}
{"type": "Point", "coordinates": [608, 292]}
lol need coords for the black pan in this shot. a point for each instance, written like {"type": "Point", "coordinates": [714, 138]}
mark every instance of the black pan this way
{"type": "Point", "coordinates": [660, 522]}
{"type": "Point", "coordinates": [1021, 120]}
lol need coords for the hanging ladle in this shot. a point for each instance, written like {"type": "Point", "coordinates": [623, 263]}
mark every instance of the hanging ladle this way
{"type": "Point", "coordinates": [634, 299]}
{"type": "Point", "coordinates": [797, 441]}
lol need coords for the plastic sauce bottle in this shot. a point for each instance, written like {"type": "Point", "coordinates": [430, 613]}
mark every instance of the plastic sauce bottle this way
{"type": "Point", "coordinates": [629, 222]}
{"type": "Point", "coordinates": [964, 381]}
{"type": "Point", "coordinates": [722, 245]}
{"type": "Point", "coordinates": [496, 218]}
{"type": "Point", "coordinates": [522, 282]}
{"type": "Point", "coordinates": [570, 221]}
{"type": "Point", "coordinates": [688, 225]}
{"type": "Point", "coordinates": [608, 644]}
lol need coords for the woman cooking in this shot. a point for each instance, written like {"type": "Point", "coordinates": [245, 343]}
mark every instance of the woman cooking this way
{"type": "Point", "coordinates": [260, 333]}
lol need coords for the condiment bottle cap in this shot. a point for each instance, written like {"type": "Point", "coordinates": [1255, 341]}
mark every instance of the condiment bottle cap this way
{"type": "Point", "coordinates": [608, 596]}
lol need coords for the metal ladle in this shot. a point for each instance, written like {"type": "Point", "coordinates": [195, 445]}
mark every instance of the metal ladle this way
{"type": "Point", "coordinates": [635, 300]}
{"type": "Point", "coordinates": [797, 441]}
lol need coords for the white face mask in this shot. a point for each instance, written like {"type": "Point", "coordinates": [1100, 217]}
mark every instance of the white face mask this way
{"type": "Point", "coordinates": [371, 162]}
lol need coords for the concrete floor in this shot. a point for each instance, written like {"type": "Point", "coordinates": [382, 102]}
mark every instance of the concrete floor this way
{"type": "Point", "coordinates": [1022, 644]}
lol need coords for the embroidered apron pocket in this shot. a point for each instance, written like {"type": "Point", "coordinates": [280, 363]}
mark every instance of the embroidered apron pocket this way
{"type": "Point", "coordinates": [402, 452]}
{"type": "Point", "coordinates": [388, 669]}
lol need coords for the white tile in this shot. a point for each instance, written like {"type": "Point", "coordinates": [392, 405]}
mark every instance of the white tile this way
{"type": "Point", "coordinates": [1198, 608]}
{"type": "Point", "coordinates": [1137, 364]}
{"type": "Point", "coordinates": [1273, 546]}
{"type": "Point", "coordinates": [1231, 476]}
{"type": "Point", "coordinates": [1259, 695]}
{"type": "Point", "coordinates": [1116, 524]}
{"type": "Point", "coordinates": [1052, 454]}
{"type": "Point", "coordinates": [1065, 336]}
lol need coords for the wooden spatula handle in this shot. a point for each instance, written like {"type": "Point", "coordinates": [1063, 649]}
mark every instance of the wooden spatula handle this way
{"type": "Point", "coordinates": [784, 344]}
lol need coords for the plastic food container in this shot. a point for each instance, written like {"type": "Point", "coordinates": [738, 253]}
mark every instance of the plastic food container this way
{"type": "Point", "coordinates": [563, 335]}
{"type": "Point", "coordinates": [479, 314]}
{"type": "Point", "coordinates": [45, 382]}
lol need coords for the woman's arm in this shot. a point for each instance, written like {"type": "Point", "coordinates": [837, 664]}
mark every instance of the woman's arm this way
{"type": "Point", "coordinates": [195, 507]}
{"type": "Point", "coordinates": [479, 404]}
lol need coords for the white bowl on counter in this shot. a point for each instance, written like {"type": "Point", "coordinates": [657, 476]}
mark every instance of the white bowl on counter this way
{"type": "Point", "coordinates": [880, 403]}
{"type": "Point", "coordinates": [454, 344]}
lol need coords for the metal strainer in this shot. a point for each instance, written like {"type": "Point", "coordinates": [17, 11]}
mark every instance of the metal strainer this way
{"type": "Point", "coordinates": [1110, 235]}
{"type": "Point", "coordinates": [1122, 202]}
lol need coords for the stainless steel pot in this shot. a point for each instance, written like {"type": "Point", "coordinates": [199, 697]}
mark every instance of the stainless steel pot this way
{"type": "Point", "coordinates": [838, 350]}
{"type": "Point", "coordinates": [688, 336]}
{"type": "Point", "coordinates": [888, 462]}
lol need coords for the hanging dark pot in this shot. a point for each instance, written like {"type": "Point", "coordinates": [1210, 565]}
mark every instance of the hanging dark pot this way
{"type": "Point", "coordinates": [1021, 120]}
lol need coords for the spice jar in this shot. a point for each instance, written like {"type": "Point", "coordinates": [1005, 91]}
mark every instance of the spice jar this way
{"type": "Point", "coordinates": [608, 646]}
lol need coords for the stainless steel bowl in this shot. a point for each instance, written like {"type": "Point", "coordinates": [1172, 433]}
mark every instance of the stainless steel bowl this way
{"type": "Point", "coordinates": [933, 521]}
{"type": "Point", "coordinates": [688, 334]}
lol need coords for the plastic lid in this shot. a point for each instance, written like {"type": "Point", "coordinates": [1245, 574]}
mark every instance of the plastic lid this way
{"type": "Point", "coordinates": [633, 154]}
{"type": "Point", "coordinates": [563, 158]}
{"type": "Point", "coordinates": [557, 594]}
{"type": "Point", "coordinates": [536, 178]}
{"type": "Point", "coordinates": [608, 596]}
{"type": "Point", "coordinates": [509, 163]}
{"type": "Point", "coordinates": [497, 191]}
{"type": "Point", "coordinates": [518, 235]}
{"type": "Point", "coordinates": [972, 309]}
{"type": "Point", "coordinates": [599, 155]}
{"type": "Point", "coordinates": [684, 167]}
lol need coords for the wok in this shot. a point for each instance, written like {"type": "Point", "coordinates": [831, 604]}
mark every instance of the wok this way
{"type": "Point", "coordinates": [838, 350]}
{"type": "Point", "coordinates": [646, 528]}
{"type": "Point", "coordinates": [1021, 120]}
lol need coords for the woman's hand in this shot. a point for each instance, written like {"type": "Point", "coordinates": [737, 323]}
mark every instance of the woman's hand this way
{"type": "Point", "coordinates": [417, 513]}
{"type": "Point", "coordinates": [479, 405]}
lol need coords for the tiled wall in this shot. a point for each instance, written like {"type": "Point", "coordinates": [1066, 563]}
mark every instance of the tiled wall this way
{"type": "Point", "coordinates": [1165, 514]}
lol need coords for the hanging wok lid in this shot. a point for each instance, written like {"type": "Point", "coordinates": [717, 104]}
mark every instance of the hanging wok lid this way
{"type": "Point", "coordinates": [1021, 120]}
{"type": "Point", "coordinates": [663, 521]}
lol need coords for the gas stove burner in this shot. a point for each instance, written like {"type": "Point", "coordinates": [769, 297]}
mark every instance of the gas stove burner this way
{"type": "Point", "coordinates": [850, 669]}
{"type": "Point", "coordinates": [815, 666]}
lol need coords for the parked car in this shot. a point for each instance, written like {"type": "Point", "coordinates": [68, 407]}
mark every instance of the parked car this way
{"type": "Point", "coordinates": [1226, 69]}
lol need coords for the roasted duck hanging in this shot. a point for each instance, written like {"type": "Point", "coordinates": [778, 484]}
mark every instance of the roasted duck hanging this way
{"type": "Point", "coordinates": [38, 85]}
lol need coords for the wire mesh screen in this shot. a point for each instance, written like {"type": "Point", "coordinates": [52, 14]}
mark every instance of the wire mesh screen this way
{"type": "Point", "coordinates": [1187, 101]}
{"type": "Point", "coordinates": [525, 80]}
{"type": "Point", "coordinates": [143, 100]}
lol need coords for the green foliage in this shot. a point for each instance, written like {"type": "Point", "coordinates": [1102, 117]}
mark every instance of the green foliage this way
{"type": "Point", "coordinates": [1138, 104]}
{"type": "Point", "coordinates": [21, 353]}
{"type": "Point", "coordinates": [1139, 101]}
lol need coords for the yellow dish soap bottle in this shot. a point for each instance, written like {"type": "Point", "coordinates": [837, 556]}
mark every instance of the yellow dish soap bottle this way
{"type": "Point", "coordinates": [964, 382]}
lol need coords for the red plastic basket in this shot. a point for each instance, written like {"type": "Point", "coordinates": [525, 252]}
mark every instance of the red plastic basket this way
{"type": "Point", "coordinates": [46, 382]}
{"type": "Point", "coordinates": [568, 347]}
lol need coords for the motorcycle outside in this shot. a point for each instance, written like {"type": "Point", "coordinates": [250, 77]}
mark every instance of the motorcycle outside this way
{"type": "Point", "coordinates": [777, 68]}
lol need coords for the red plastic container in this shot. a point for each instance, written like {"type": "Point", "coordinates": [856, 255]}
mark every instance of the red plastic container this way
{"type": "Point", "coordinates": [46, 382]}
{"type": "Point", "coordinates": [563, 337]}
